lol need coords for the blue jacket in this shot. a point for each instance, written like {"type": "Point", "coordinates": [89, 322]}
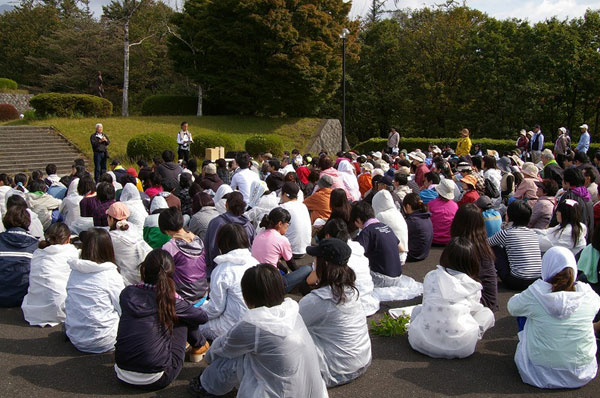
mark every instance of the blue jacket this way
{"type": "Point", "coordinates": [16, 250]}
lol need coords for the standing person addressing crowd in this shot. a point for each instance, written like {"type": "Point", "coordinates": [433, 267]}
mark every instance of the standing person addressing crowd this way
{"type": "Point", "coordinates": [99, 143]}
{"type": "Point", "coordinates": [184, 140]}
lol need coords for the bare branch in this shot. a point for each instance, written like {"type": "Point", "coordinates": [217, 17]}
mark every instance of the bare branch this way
{"type": "Point", "coordinates": [141, 41]}
{"type": "Point", "coordinates": [171, 31]}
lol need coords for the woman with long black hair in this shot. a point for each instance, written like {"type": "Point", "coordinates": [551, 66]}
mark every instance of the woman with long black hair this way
{"type": "Point", "coordinates": [154, 327]}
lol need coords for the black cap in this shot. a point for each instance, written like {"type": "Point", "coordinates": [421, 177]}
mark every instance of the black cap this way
{"type": "Point", "coordinates": [332, 250]}
{"type": "Point", "coordinates": [387, 180]}
{"type": "Point", "coordinates": [290, 189]}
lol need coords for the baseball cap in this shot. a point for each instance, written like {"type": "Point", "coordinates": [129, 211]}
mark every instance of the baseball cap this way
{"type": "Point", "coordinates": [332, 250]}
{"type": "Point", "coordinates": [118, 211]}
{"type": "Point", "coordinates": [325, 181]}
{"type": "Point", "coordinates": [210, 168]}
{"type": "Point", "coordinates": [484, 202]}
{"type": "Point", "coordinates": [583, 126]}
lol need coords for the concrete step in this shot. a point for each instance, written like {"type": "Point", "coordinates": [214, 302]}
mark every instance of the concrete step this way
{"type": "Point", "coordinates": [41, 156]}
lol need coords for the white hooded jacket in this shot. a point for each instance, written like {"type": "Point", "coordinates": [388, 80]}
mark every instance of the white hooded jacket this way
{"type": "Point", "coordinates": [44, 303]}
{"type": "Point", "coordinates": [340, 334]}
{"type": "Point", "coordinates": [272, 352]}
{"type": "Point", "coordinates": [226, 305]}
{"type": "Point", "coordinates": [69, 208]}
{"type": "Point", "coordinates": [387, 213]}
{"type": "Point", "coordinates": [347, 173]}
{"type": "Point", "coordinates": [131, 197]}
{"type": "Point", "coordinates": [451, 319]}
{"type": "Point", "coordinates": [130, 250]}
{"type": "Point", "coordinates": [92, 305]}
{"type": "Point", "coordinates": [364, 283]}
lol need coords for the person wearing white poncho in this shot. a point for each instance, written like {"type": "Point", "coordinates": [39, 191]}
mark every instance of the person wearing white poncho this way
{"type": "Point", "coordinates": [334, 317]}
{"type": "Point", "coordinates": [130, 248]}
{"type": "Point", "coordinates": [131, 197]}
{"type": "Point", "coordinates": [69, 208]}
{"type": "Point", "coordinates": [557, 346]}
{"type": "Point", "coordinates": [44, 303]}
{"type": "Point", "coordinates": [347, 173]}
{"type": "Point", "coordinates": [387, 213]}
{"type": "Point", "coordinates": [451, 319]}
{"type": "Point", "coordinates": [269, 352]}
{"type": "Point", "coordinates": [92, 304]}
{"type": "Point", "coordinates": [226, 305]}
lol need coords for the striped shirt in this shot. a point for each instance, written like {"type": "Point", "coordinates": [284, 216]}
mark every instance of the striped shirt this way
{"type": "Point", "coordinates": [523, 250]}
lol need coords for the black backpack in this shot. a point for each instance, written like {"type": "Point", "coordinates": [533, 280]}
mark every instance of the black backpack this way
{"type": "Point", "coordinates": [490, 190]}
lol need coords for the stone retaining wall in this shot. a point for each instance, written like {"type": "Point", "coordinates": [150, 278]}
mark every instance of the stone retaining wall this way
{"type": "Point", "coordinates": [19, 101]}
{"type": "Point", "coordinates": [328, 137]}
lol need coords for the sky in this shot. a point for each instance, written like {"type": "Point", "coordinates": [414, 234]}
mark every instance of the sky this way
{"type": "Point", "coordinates": [532, 10]}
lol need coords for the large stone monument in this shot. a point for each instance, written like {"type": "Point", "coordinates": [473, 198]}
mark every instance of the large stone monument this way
{"type": "Point", "coordinates": [328, 137]}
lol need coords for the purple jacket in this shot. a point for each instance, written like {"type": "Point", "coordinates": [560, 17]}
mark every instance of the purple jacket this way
{"type": "Point", "coordinates": [190, 267]}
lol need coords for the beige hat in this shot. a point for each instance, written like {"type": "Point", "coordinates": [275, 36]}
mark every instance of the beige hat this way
{"type": "Point", "coordinates": [403, 170]}
{"type": "Point", "coordinates": [419, 156]}
{"type": "Point", "coordinates": [367, 166]}
{"type": "Point", "coordinates": [517, 160]}
{"type": "Point", "coordinates": [446, 189]}
{"type": "Point", "coordinates": [522, 132]}
{"type": "Point", "coordinates": [210, 168]}
{"type": "Point", "coordinates": [530, 170]}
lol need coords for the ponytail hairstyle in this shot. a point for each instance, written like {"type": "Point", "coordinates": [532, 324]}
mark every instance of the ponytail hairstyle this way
{"type": "Point", "coordinates": [278, 214]}
{"type": "Point", "coordinates": [57, 234]}
{"type": "Point", "coordinates": [415, 203]}
{"type": "Point", "coordinates": [564, 281]}
{"type": "Point", "coordinates": [20, 181]}
{"type": "Point", "coordinates": [157, 269]}
{"type": "Point", "coordinates": [337, 276]}
{"type": "Point", "coordinates": [570, 213]}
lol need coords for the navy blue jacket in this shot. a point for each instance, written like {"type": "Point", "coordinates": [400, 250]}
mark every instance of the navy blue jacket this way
{"type": "Point", "coordinates": [143, 344]}
{"type": "Point", "coordinates": [420, 232]}
{"type": "Point", "coordinates": [16, 250]}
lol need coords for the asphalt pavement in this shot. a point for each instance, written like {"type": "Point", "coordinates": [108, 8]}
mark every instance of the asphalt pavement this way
{"type": "Point", "coordinates": [39, 362]}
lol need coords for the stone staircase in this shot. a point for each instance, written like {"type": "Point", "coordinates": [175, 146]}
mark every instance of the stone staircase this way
{"type": "Point", "coordinates": [27, 148]}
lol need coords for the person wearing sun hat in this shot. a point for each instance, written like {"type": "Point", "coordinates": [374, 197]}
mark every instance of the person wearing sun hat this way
{"type": "Point", "coordinates": [557, 345]}
{"type": "Point", "coordinates": [443, 209]}
{"type": "Point", "coordinates": [418, 160]}
{"type": "Point", "coordinates": [527, 190]}
{"type": "Point", "coordinates": [334, 316]}
{"type": "Point", "coordinates": [470, 195]}
{"type": "Point", "coordinates": [584, 140]}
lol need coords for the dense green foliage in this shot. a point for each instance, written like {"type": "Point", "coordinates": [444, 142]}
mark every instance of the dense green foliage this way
{"type": "Point", "coordinates": [69, 105]}
{"type": "Point", "coordinates": [203, 141]}
{"type": "Point", "coordinates": [431, 72]}
{"type": "Point", "coordinates": [58, 46]}
{"type": "Point", "coordinates": [146, 146]}
{"type": "Point", "coordinates": [169, 105]}
{"type": "Point", "coordinates": [8, 112]}
{"type": "Point", "coordinates": [264, 143]}
{"type": "Point", "coordinates": [8, 84]}
{"type": "Point", "coordinates": [262, 57]}
{"type": "Point", "coordinates": [390, 327]}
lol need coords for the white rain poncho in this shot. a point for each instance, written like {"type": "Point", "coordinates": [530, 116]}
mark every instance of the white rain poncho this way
{"type": "Point", "coordinates": [268, 353]}
{"type": "Point", "coordinates": [223, 190]}
{"type": "Point", "coordinates": [36, 229]}
{"type": "Point", "coordinates": [69, 208]}
{"type": "Point", "coordinates": [131, 197]}
{"type": "Point", "coordinates": [554, 236]}
{"type": "Point", "coordinates": [130, 250]}
{"type": "Point", "coordinates": [4, 189]}
{"type": "Point", "coordinates": [340, 334]}
{"type": "Point", "coordinates": [557, 347]}
{"type": "Point", "coordinates": [387, 213]}
{"type": "Point", "coordinates": [265, 204]}
{"type": "Point", "coordinates": [92, 305]}
{"type": "Point", "coordinates": [347, 173]}
{"type": "Point", "coordinates": [226, 305]}
{"type": "Point", "coordinates": [364, 283]}
{"type": "Point", "coordinates": [451, 319]}
{"type": "Point", "coordinates": [44, 303]}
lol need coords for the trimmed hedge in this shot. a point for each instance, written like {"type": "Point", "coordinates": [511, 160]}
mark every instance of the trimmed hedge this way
{"type": "Point", "coordinates": [378, 144]}
{"type": "Point", "coordinates": [8, 84]}
{"type": "Point", "coordinates": [203, 141]}
{"type": "Point", "coordinates": [169, 105]}
{"type": "Point", "coordinates": [68, 105]}
{"type": "Point", "coordinates": [8, 112]}
{"type": "Point", "coordinates": [148, 145]}
{"type": "Point", "coordinates": [264, 143]}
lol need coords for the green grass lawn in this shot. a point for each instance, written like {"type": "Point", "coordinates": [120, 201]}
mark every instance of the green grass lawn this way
{"type": "Point", "coordinates": [294, 131]}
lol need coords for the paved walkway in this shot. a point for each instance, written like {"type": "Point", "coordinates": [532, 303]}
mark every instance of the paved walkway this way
{"type": "Point", "coordinates": [37, 362]}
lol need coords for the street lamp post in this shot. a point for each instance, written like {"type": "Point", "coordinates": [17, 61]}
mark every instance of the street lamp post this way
{"type": "Point", "coordinates": [343, 36]}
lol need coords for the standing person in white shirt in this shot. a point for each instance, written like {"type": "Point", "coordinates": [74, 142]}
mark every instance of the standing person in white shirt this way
{"type": "Point", "coordinates": [184, 140]}
{"type": "Point", "coordinates": [243, 177]}
{"type": "Point", "coordinates": [299, 231]}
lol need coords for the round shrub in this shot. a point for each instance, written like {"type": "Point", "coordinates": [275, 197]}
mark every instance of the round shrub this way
{"type": "Point", "coordinates": [169, 105]}
{"type": "Point", "coordinates": [8, 112]}
{"type": "Point", "coordinates": [8, 84]}
{"type": "Point", "coordinates": [203, 141]}
{"type": "Point", "coordinates": [264, 143]}
{"type": "Point", "coordinates": [68, 105]}
{"type": "Point", "coordinates": [148, 145]}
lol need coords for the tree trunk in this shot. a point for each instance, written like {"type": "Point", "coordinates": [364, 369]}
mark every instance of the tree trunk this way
{"type": "Point", "coordinates": [125, 108]}
{"type": "Point", "coordinates": [199, 110]}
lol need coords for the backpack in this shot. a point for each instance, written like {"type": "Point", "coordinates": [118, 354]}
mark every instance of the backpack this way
{"type": "Point", "coordinates": [490, 190]}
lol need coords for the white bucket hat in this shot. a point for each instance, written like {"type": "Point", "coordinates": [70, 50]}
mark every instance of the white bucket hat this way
{"type": "Point", "coordinates": [446, 189]}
